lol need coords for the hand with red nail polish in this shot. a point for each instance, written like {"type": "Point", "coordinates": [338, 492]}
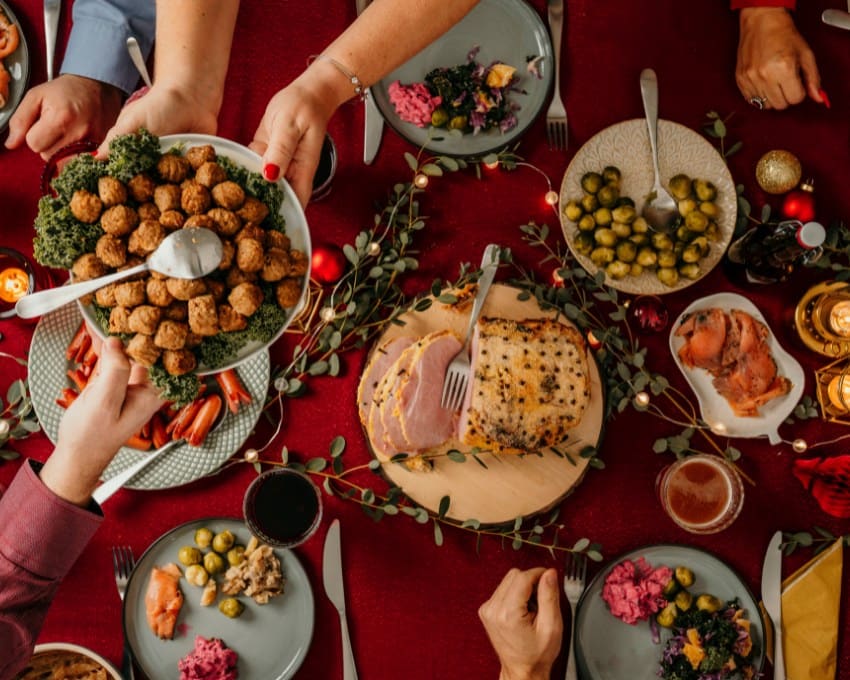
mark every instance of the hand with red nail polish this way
{"type": "Point", "coordinates": [271, 172]}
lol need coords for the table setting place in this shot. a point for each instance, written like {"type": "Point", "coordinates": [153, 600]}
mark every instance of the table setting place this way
{"type": "Point", "coordinates": [571, 291]}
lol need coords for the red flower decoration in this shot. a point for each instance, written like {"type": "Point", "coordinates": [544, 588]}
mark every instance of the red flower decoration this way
{"type": "Point", "coordinates": [828, 480]}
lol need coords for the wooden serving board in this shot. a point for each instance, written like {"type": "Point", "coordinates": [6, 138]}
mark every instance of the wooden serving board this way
{"type": "Point", "coordinates": [511, 485]}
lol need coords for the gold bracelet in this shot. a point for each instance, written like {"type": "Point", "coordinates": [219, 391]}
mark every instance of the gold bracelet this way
{"type": "Point", "coordinates": [356, 83]}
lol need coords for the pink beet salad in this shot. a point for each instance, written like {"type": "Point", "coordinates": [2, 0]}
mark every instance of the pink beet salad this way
{"type": "Point", "coordinates": [633, 590]}
{"type": "Point", "coordinates": [210, 660]}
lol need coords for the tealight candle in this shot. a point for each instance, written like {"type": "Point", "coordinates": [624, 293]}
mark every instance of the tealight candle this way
{"type": "Point", "coordinates": [838, 391]}
{"type": "Point", "coordinates": [14, 284]}
{"type": "Point", "coordinates": [16, 280]}
{"type": "Point", "coordinates": [839, 318]}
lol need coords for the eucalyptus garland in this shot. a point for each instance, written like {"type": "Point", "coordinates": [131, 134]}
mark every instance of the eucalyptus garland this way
{"type": "Point", "coordinates": [17, 417]}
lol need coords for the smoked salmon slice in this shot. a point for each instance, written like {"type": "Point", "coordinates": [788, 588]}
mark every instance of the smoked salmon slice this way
{"type": "Point", "coordinates": [163, 600]}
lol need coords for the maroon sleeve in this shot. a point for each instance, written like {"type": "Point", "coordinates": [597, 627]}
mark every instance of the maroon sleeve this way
{"type": "Point", "coordinates": [41, 536]}
{"type": "Point", "coordinates": [741, 4]}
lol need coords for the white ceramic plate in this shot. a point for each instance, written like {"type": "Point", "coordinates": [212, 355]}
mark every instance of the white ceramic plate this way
{"type": "Point", "coordinates": [296, 229]}
{"type": "Point", "coordinates": [715, 409]}
{"type": "Point", "coordinates": [18, 66]}
{"type": "Point", "coordinates": [271, 640]}
{"type": "Point", "coordinates": [609, 648]}
{"type": "Point", "coordinates": [58, 647]}
{"type": "Point", "coordinates": [183, 464]}
{"type": "Point", "coordinates": [680, 150]}
{"type": "Point", "coordinates": [509, 31]}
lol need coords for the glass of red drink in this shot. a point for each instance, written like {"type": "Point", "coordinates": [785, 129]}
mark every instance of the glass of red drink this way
{"type": "Point", "coordinates": [282, 507]}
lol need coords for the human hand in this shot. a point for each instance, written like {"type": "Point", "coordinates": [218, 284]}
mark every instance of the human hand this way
{"type": "Point", "coordinates": [527, 642]}
{"type": "Point", "coordinates": [61, 111]}
{"type": "Point", "coordinates": [775, 63]}
{"type": "Point", "coordinates": [291, 134]}
{"type": "Point", "coordinates": [113, 406]}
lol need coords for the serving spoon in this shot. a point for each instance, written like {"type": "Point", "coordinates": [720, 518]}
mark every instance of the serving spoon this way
{"type": "Point", "coordinates": [184, 254]}
{"type": "Point", "coordinates": [660, 209]}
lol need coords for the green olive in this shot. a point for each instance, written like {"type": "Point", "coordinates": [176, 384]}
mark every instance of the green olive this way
{"type": "Point", "coordinates": [591, 182]}
{"type": "Point", "coordinates": [608, 195]}
{"type": "Point", "coordinates": [662, 241]}
{"type": "Point", "coordinates": [602, 256]}
{"type": "Point", "coordinates": [231, 607]}
{"type": "Point", "coordinates": [626, 251]}
{"type": "Point", "coordinates": [197, 575]}
{"type": "Point", "coordinates": [708, 603]}
{"type": "Point", "coordinates": [690, 271]}
{"type": "Point", "coordinates": [667, 616]}
{"type": "Point", "coordinates": [611, 174]}
{"type": "Point", "coordinates": [705, 190]}
{"type": "Point", "coordinates": [236, 555]}
{"type": "Point", "coordinates": [584, 243]}
{"type": "Point", "coordinates": [213, 563]}
{"type": "Point", "coordinates": [618, 270]}
{"type": "Point", "coordinates": [458, 123]}
{"type": "Point", "coordinates": [640, 226]}
{"type": "Point", "coordinates": [605, 237]}
{"type": "Point", "coordinates": [669, 276]}
{"type": "Point", "coordinates": [589, 203]}
{"type": "Point", "coordinates": [587, 223]}
{"type": "Point", "coordinates": [439, 117]}
{"type": "Point", "coordinates": [189, 555]}
{"type": "Point", "coordinates": [223, 541]}
{"type": "Point", "coordinates": [203, 537]}
{"type": "Point", "coordinates": [696, 221]}
{"type": "Point", "coordinates": [624, 213]}
{"type": "Point", "coordinates": [603, 217]}
{"type": "Point", "coordinates": [691, 254]}
{"type": "Point", "coordinates": [680, 186]}
{"type": "Point", "coordinates": [684, 600]}
{"type": "Point", "coordinates": [710, 209]}
{"type": "Point", "coordinates": [684, 576]}
{"type": "Point", "coordinates": [647, 257]}
{"type": "Point", "coordinates": [687, 206]}
{"type": "Point", "coordinates": [622, 230]}
{"type": "Point", "coordinates": [573, 211]}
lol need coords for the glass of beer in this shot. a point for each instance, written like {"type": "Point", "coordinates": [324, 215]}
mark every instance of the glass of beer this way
{"type": "Point", "coordinates": [282, 507]}
{"type": "Point", "coordinates": [703, 494]}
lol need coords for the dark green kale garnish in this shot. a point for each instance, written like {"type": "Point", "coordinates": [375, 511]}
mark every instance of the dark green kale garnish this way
{"type": "Point", "coordinates": [60, 237]}
{"type": "Point", "coordinates": [81, 172]}
{"type": "Point", "coordinates": [178, 389]}
{"type": "Point", "coordinates": [132, 154]}
{"type": "Point", "coordinates": [219, 349]}
{"type": "Point", "coordinates": [260, 188]}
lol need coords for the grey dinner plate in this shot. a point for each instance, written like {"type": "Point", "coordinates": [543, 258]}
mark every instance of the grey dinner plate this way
{"type": "Point", "coordinates": [18, 66]}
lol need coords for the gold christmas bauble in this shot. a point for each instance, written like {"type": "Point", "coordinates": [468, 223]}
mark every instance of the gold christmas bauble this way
{"type": "Point", "coordinates": [778, 171]}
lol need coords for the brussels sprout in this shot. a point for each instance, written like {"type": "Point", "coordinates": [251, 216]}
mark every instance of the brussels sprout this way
{"type": "Point", "coordinates": [708, 603]}
{"type": "Point", "coordinates": [686, 206]}
{"type": "Point", "coordinates": [705, 190]}
{"type": "Point", "coordinates": [611, 174]}
{"type": "Point", "coordinates": [702, 243]}
{"type": "Point", "coordinates": [605, 237]}
{"type": "Point", "coordinates": [231, 607]}
{"type": "Point", "coordinates": [458, 123]}
{"type": "Point", "coordinates": [622, 230]}
{"type": "Point", "coordinates": [197, 575]}
{"type": "Point", "coordinates": [669, 276]}
{"type": "Point", "coordinates": [624, 213]}
{"type": "Point", "coordinates": [691, 254]}
{"type": "Point", "coordinates": [626, 251]}
{"type": "Point", "coordinates": [662, 241]}
{"type": "Point", "coordinates": [625, 201]}
{"type": "Point", "coordinates": [712, 232]}
{"type": "Point", "coordinates": [710, 209]}
{"type": "Point", "coordinates": [584, 243]}
{"type": "Point", "coordinates": [636, 269]}
{"type": "Point", "coordinates": [608, 195]}
{"type": "Point", "coordinates": [439, 117]}
{"type": "Point", "coordinates": [690, 271]}
{"type": "Point", "coordinates": [591, 182]}
{"type": "Point", "coordinates": [684, 576]}
{"type": "Point", "coordinates": [213, 563]}
{"type": "Point", "coordinates": [189, 555]}
{"type": "Point", "coordinates": [236, 555]}
{"type": "Point", "coordinates": [603, 217]}
{"type": "Point", "coordinates": [602, 256]}
{"type": "Point", "coordinates": [684, 600]}
{"type": "Point", "coordinates": [696, 221]}
{"type": "Point", "coordinates": [670, 589]}
{"type": "Point", "coordinates": [680, 186]}
{"type": "Point", "coordinates": [640, 226]}
{"type": "Point", "coordinates": [589, 202]}
{"type": "Point", "coordinates": [223, 541]}
{"type": "Point", "coordinates": [666, 618]}
{"type": "Point", "coordinates": [586, 223]}
{"type": "Point", "coordinates": [683, 234]}
{"type": "Point", "coordinates": [666, 258]}
{"type": "Point", "coordinates": [639, 239]}
{"type": "Point", "coordinates": [573, 211]}
{"type": "Point", "coordinates": [203, 537]}
{"type": "Point", "coordinates": [647, 257]}
{"type": "Point", "coordinates": [618, 270]}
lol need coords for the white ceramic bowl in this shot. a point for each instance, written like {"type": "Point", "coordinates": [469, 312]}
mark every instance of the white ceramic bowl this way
{"type": "Point", "coordinates": [72, 648]}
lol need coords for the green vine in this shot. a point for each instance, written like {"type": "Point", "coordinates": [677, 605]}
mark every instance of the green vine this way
{"type": "Point", "coordinates": [820, 540]}
{"type": "Point", "coordinates": [17, 417]}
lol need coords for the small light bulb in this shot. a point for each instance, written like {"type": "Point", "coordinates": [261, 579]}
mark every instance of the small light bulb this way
{"type": "Point", "coordinates": [799, 445]}
{"type": "Point", "coordinates": [642, 399]}
{"type": "Point", "coordinates": [551, 197]}
{"type": "Point", "coordinates": [328, 314]}
{"type": "Point", "coordinates": [557, 279]}
{"type": "Point", "coordinates": [281, 384]}
{"type": "Point", "coordinates": [374, 249]}
{"type": "Point", "coordinates": [493, 165]}
{"type": "Point", "coordinates": [593, 341]}
{"type": "Point", "coordinates": [252, 455]}
{"type": "Point", "coordinates": [421, 181]}
{"type": "Point", "coordinates": [718, 428]}
{"type": "Point", "coordinates": [4, 428]}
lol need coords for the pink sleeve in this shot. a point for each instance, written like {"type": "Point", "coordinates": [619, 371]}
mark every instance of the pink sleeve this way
{"type": "Point", "coordinates": [41, 536]}
{"type": "Point", "coordinates": [787, 4]}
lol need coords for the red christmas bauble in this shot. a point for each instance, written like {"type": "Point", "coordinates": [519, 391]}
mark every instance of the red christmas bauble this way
{"type": "Point", "coordinates": [327, 263]}
{"type": "Point", "coordinates": [799, 204]}
{"type": "Point", "coordinates": [649, 313]}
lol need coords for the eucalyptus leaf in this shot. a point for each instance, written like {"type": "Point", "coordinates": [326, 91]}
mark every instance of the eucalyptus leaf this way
{"type": "Point", "coordinates": [337, 446]}
{"type": "Point", "coordinates": [316, 464]}
{"type": "Point", "coordinates": [438, 533]}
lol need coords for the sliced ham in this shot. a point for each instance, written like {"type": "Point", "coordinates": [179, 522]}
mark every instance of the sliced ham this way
{"type": "Point", "coordinates": [382, 359]}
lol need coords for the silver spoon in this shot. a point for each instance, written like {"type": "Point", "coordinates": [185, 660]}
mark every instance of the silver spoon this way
{"type": "Point", "coordinates": [183, 254]}
{"type": "Point", "coordinates": [138, 60]}
{"type": "Point", "coordinates": [660, 209]}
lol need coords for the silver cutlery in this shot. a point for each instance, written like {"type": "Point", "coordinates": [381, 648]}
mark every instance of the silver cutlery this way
{"type": "Point", "coordinates": [457, 374]}
{"type": "Point", "coordinates": [771, 595]}
{"type": "Point", "coordinates": [373, 127]}
{"type": "Point", "coordinates": [138, 60]}
{"type": "Point", "coordinates": [575, 573]}
{"type": "Point", "coordinates": [837, 17]}
{"type": "Point", "coordinates": [52, 8]}
{"type": "Point", "coordinates": [123, 562]}
{"type": "Point", "coordinates": [556, 116]}
{"type": "Point", "coordinates": [332, 577]}
{"type": "Point", "coordinates": [660, 209]}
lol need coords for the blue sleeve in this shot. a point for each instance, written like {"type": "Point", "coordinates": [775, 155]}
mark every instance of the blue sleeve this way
{"type": "Point", "coordinates": [97, 47]}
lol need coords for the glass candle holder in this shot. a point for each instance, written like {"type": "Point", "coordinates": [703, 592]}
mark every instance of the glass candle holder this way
{"type": "Point", "coordinates": [326, 170]}
{"type": "Point", "coordinates": [282, 507]}
{"type": "Point", "coordinates": [17, 279]}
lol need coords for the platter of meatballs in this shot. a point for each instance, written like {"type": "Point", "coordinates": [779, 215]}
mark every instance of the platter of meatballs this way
{"type": "Point", "coordinates": [194, 325]}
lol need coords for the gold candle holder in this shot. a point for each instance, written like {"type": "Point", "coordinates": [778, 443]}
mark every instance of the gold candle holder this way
{"type": "Point", "coordinates": [822, 318]}
{"type": "Point", "coordinates": [833, 391]}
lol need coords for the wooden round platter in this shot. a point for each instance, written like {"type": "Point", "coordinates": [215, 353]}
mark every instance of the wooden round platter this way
{"type": "Point", "coordinates": [506, 486]}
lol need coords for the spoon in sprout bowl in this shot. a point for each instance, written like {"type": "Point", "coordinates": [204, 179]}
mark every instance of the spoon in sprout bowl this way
{"type": "Point", "coordinates": [184, 254]}
{"type": "Point", "coordinates": [660, 209]}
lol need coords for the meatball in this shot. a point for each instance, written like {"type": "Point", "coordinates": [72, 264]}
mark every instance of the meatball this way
{"type": "Point", "coordinates": [246, 298]}
{"type": "Point", "coordinates": [210, 174]}
{"type": "Point", "coordinates": [142, 350]}
{"type": "Point", "coordinates": [105, 296]}
{"type": "Point", "coordinates": [134, 261]}
{"type": "Point", "coordinates": [275, 265]}
{"type": "Point", "coordinates": [130, 293]}
{"type": "Point", "coordinates": [254, 231]}
{"type": "Point", "coordinates": [186, 289]}
{"type": "Point", "coordinates": [111, 250]}
{"type": "Point", "coordinates": [141, 188]}
{"type": "Point", "coordinates": [228, 195]}
{"type": "Point", "coordinates": [148, 211]}
{"type": "Point", "coordinates": [253, 210]}
{"type": "Point", "coordinates": [228, 221]}
{"type": "Point", "coordinates": [193, 339]}
{"type": "Point", "coordinates": [119, 220]}
{"type": "Point", "coordinates": [216, 289]}
{"type": "Point", "coordinates": [179, 361]}
{"type": "Point", "coordinates": [111, 191]}
{"type": "Point", "coordinates": [288, 292]}
{"type": "Point", "coordinates": [172, 219]}
{"type": "Point", "coordinates": [203, 317]}
{"type": "Point", "coordinates": [203, 221]}
{"type": "Point", "coordinates": [298, 263]}
{"type": "Point", "coordinates": [194, 198]}
{"type": "Point", "coordinates": [228, 251]}
{"type": "Point", "coordinates": [177, 311]}
{"type": "Point", "coordinates": [87, 267]}
{"type": "Point", "coordinates": [173, 168]}
{"type": "Point", "coordinates": [157, 292]}
{"type": "Point", "coordinates": [277, 239]}
{"type": "Point", "coordinates": [146, 238]}
{"type": "Point", "coordinates": [85, 206]}
{"type": "Point", "coordinates": [235, 276]}
{"type": "Point", "coordinates": [198, 155]}
{"type": "Point", "coordinates": [230, 320]}
{"type": "Point", "coordinates": [167, 197]}
{"type": "Point", "coordinates": [145, 319]}
{"type": "Point", "coordinates": [119, 320]}
{"type": "Point", "coordinates": [171, 334]}
{"type": "Point", "coordinates": [249, 255]}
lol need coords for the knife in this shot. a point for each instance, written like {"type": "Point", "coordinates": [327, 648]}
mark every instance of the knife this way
{"type": "Point", "coordinates": [332, 577]}
{"type": "Point", "coordinates": [51, 27]}
{"type": "Point", "coordinates": [373, 123]}
{"type": "Point", "coordinates": [837, 18]}
{"type": "Point", "coordinates": [771, 595]}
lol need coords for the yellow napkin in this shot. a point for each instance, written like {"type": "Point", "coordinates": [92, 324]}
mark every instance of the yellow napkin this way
{"type": "Point", "coordinates": [811, 598]}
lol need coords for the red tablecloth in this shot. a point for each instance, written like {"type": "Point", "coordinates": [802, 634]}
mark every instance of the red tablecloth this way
{"type": "Point", "coordinates": [412, 605]}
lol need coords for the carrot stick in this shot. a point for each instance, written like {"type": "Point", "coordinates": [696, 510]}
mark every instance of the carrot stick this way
{"type": "Point", "coordinates": [233, 389]}
{"type": "Point", "coordinates": [138, 442]}
{"type": "Point", "coordinates": [183, 420]}
{"type": "Point", "coordinates": [67, 398]}
{"type": "Point", "coordinates": [158, 433]}
{"type": "Point", "coordinates": [78, 378]}
{"type": "Point", "coordinates": [79, 344]}
{"type": "Point", "coordinates": [204, 420]}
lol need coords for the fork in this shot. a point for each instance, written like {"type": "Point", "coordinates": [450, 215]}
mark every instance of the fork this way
{"type": "Point", "coordinates": [574, 576]}
{"type": "Point", "coordinates": [52, 8]}
{"type": "Point", "coordinates": [457, 373]}
{"type": "Point", "coordinates": [556, 116]}
{"type": "Point", "coordinates": [123, 563]}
